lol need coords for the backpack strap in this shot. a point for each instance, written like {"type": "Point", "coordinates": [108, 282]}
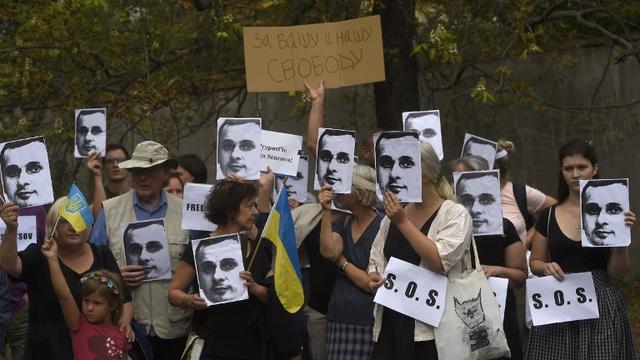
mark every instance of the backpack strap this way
{"type": "Point", "coordinates": [520, 193]}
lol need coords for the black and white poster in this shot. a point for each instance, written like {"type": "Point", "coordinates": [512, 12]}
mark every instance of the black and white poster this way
{"type": "Point", "coordinates": [145, 244]}
{"type": "Point", "coordinates": [218, 265]}
{"type": "Point", "coordinates": [239, 147]}
{"type": "Point", "coordinates": [26, 177]}
{"type": "Point", "coordinates": [479, 192]}
{"type": "Point", "coordinates": [398, 165]}
{"type": "Point", "coordinates": [91, 132]}
{"type": "Point", "coordinates": [427, 125]}
{"type": "Point", "coordinates": [602, 206]}
{"type": "Point", "coordinates": [475, 145]}
{"type": "Point", "coordinates": [296, 186]}
{"type": "Point", "coordinates": [335, 159]}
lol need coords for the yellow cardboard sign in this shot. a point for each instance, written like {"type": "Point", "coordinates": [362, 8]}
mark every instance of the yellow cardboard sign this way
{"type": "Point", "coordinates": [342, 53]}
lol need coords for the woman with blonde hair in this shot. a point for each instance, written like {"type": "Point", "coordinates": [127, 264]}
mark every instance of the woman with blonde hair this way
{"type": "Point", "coordinates": [347, 243]}
{"type": "Point", "coordinates": [48, 336]}
{"type": "Point", "coordinates": [433, 234]}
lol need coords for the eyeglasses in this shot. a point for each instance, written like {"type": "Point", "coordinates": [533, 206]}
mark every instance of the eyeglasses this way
{"type": "Point", "coordinates": [114, 161]}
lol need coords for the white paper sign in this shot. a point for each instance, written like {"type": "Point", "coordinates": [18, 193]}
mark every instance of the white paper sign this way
{"type": "Point", "coordinates": [477, 146]}
{"type": "Point", "coordinates": [218, 263]}
{"type": "Point", "coordinates": [413, 291]}
{"type": "Point", "coordinates": [551, 301]}
{"type": "Point", "coordinates": [91, 132]}
{"type": "Point", "coordinates": [26, 177]}
{"type": "Point", "coordinates": [238, 148]}
{"type": "Point", "coordinates": [602, 206]}
{"type": "Point", "coordinates": [27, 231]}
{"type": "Point", "coordinates": [499, 288]}
{"type": "Point", "coordinates": [335, 159]}
{"type": "Point", "coordinates": [479, 193]}
{"type": "Point", "coordinates": [280, 152]}
{"type": "Point", "coordinates": [427, 125]}
{"type": "Point", "coordinates": [398, 165]}
{"type": "Point", "coordinates": [193, 201]}
{"type": "Point", "coordinates": [145, 244]}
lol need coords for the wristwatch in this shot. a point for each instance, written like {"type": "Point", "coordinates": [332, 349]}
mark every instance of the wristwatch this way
{"type": "Point", "coordinates": [344, 265]}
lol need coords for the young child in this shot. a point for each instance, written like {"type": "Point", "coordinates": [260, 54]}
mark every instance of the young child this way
{"type": "Point", "coordinates": [94, 333]}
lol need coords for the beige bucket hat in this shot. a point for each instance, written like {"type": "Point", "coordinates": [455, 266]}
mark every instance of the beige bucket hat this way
{"type": "Point", "coordinates": [148, 154]}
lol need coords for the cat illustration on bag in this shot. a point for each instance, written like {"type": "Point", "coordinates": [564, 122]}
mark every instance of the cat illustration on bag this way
{"type": "Point", "coordinates": [471, 313]}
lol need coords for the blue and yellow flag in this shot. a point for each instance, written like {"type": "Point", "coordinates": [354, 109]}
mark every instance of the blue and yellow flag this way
{"type": "Point", "coordinates": [287, 276]}
{"type": "Point", "coordinates": [76, 210]}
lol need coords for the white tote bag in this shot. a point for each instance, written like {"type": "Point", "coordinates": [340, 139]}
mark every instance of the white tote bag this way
{"type": "Point", "coordinates": [471, 327]}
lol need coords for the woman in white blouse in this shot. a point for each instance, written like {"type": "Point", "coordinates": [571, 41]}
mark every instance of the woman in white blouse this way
{"type": "Point", "coordinates": [433, 234]}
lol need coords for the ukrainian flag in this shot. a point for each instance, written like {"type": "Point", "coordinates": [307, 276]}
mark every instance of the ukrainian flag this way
{"type": "Point", "coordinates": [76, 210]}
{"type": "Point", "coordinates": [287, 276]}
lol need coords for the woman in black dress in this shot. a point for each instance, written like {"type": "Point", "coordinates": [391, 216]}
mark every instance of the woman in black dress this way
{"type": "Point", "coordinates": [556, 250]}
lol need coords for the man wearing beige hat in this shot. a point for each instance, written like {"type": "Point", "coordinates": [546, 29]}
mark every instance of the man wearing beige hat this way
{"type": "Point", "coordinates": [166, 326]}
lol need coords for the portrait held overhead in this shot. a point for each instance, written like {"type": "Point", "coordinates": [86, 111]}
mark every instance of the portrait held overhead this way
{"type": "Point", "coordinates": [26, 177]}
{"type": "Point", "coordinates": [475, 145]}
{"type": "Point", "coordinates": [91, 132]}
{"type": "Point", "coordinates": [218, 266]}
{"type": "Point", "coordinates": [603, 203]}
{"type": "Point", "coordinates": [239, 148]}
{"type": "Point", "coordinates": [398, 167]}
{"type": "Point", "coordinates": [427, 125]}
{"type": "Point", "coordinates": [335, 159]}
{"type": "Point", "coordinates": [145, 244]}
{"type": "Point", "coordinates": [479, 192]}
{"type": "Point", "coordinates": [296, 186]}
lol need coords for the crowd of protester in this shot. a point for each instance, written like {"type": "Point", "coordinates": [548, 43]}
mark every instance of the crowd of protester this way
{"type": "Point", "coordinates": [73, 294]}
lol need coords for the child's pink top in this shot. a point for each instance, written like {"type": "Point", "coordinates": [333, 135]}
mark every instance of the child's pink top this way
{"type": "Point", "coordinates": [99, 341]}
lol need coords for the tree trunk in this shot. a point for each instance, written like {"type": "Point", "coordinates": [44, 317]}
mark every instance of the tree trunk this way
{"type": "Point", "coordinates": [400, 90]}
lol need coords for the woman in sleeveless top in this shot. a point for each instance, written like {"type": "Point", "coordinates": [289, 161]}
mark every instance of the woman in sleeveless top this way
{"type": "Point", "coordinates": [347, 243]}
{"type": "Point", "coordinates": [434, 234]}
{"type": "Point", "coordinates": [557, 250]}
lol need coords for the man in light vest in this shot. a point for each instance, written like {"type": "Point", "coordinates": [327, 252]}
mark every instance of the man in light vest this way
{"type": "Point", "coordinates": [166, 326]}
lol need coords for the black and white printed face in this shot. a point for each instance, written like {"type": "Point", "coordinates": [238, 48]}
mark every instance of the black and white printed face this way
{"type": "Point", "coordinates": [25, 173]}
{"type": "Point", "coordinates": [397, 167]}
{"type": "Point", "coordinates": [91, 132]}
{"type": "Point", "coordinates": [335, 160]}
{"type": "Point", "coordinates": [480, 147]}
{"type": "Point", "coordinates": [296, 186]}
{"type": "Point", "coordinates": [219, 266]}
{"type": "Point", "coordinates": [147, 246]}
{"type": "Point", "coordinates": [603, 210]}
{"type": "Point", "coordinates": [427, 125]}
{"type": "Point", "coordinates": [481, 196]}
{"type": "Point", "coordinates": [239, 148]}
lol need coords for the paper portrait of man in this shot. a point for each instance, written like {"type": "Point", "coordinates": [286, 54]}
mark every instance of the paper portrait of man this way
{"type": "Point", "coordinates": [602, 206]}
{"type": "Point", "coordinates": [26, 177]}
{"type": "Point", "coordinates": [335, 159]}
{"type": "Point", "coordinates": [398, 166]}
{"type": "Point", "coordinates": [91, 132]}
{"type": "Point", "coordinates": [475, 145]}
{"type": "Point", "coordinates": [239, 147]}
{"type": "Point", "coordinates": [479, 192]}
{"type": "Point", "coordinates": [427, 125]}
{"type": "Point", "coordinates": [145, 244]}
{"type": "Point", "coordinates": [296, 186]}
{"type": "Point", "coordinates": [218, 265]}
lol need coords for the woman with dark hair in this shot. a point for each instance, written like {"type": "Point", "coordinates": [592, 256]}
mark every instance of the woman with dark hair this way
{"type": "Point", "coordinates": [174, 185]}
{"type": "Point", "coordinates": [433, 234]}
{"type": "Point", "coordinates": [230, 330]}
{"type": "Point", "coordinates": [191, 169]}
{"type": "Point", "coordinates": [556, 249]}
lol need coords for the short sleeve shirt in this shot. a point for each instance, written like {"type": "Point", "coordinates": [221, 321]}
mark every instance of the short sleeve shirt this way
{"type": "Point", "coordinates": [511, 211]}
{"type": "Point", "coordinates": [99, 341]}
